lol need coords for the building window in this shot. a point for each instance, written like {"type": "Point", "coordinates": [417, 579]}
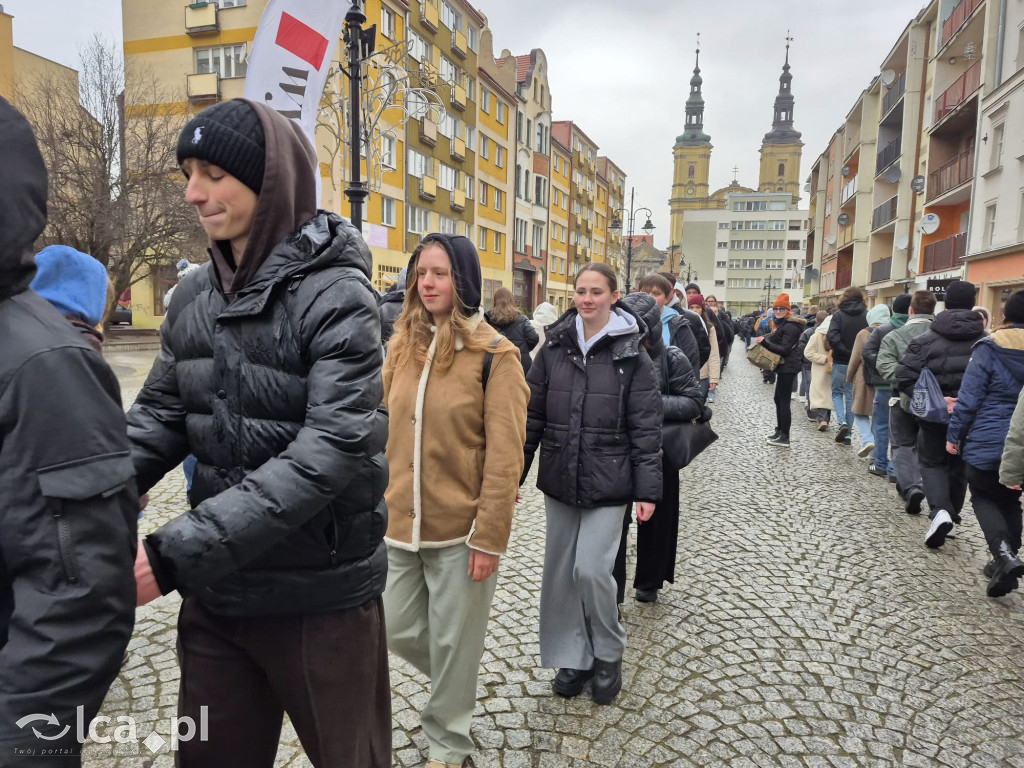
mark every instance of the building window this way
{"type": "Point", "coordinates": [231, 3]}
{"type": "Point", "coordinates": [793, 245]}
{"type": "Point", "coordinates": [417, 220]}
{"type": "Point", "coordinates": [472, 37]}
{"type": "Point", "coordinates": [776, 205]}
{"type": "Point", "coordinates": [502, 112]}
{"type": "Point", "coordinates": [989, 233]}
{"type": "Point", "coordinates": [485, 147]}
{"type": "Point", "coordinates": [448, 225]}
{"type": "Point", "coordinates": [416, 105]}
{"type": "Point", "coordinates": [481, 239]}
{"type": "Point", "coordinates": [418, 164]}
{"type": "Point", "coordinates": [794, 226]}
{"type": "Point", "coordinates": [419, 49]}
{"type": "Point", "coordinates": [447, 179]}
{"type": "Point", "coordinates": [485, 101]}
{"type": "Point", "coordinates": [723, 225]}
{"type": "Point", "coordinates": [449, 72]}
{"type": "Point", "coordinates": [691, 172]}
{"type": "Point", "coordinates": [387, 22]}
{"type": "Point", "coordinates": [451, 18]}
{"type": "Point", "coordinates": [998, 134]}
{"type": "Point", "coordinates": [497, 242]}
{"type": "Point", "coordinates": [498, 195]}
{"type": "Point", "coordinates": [483, 193]}
{"type": "Point", "coordinates": [519, 243]}
{"type": "Point", "coordinates": [782, 169]}
{"type": "Point", "coordinates": [226, 61]}
{"type": "Point", "coordinates": [387, 215]}
{"type": "Point", "coordinates": [387, 151]}
{"type": "Point", "coordinates": [499, 156]}
{"type": "Point", "coordinates": [777, 225]}
{"type": "Point", "coordinates": [540, 196]}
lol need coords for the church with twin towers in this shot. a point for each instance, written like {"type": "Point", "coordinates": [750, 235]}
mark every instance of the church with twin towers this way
{"type": "Point", "coordinates": [781, 150]}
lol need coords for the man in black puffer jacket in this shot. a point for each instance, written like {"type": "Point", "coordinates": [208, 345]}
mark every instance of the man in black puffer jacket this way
{"type": "Point", "coordinates": [269, 373]}
{"type": "Point", "coordinates": [850, 320]}
{"type": "Point", "coordinates": [945, 350]}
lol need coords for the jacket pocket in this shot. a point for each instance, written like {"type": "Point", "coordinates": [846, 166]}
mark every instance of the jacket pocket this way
{"type": "Point", "coordinates": [74, 483]}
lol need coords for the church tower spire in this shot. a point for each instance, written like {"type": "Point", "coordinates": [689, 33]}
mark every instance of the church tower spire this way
{"type": "Point", "coordinates": [692, 158]}
{"type": "Point", "coordinates": [781, 148]}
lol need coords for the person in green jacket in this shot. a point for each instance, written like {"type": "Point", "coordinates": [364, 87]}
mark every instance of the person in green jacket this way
{"type": "Point", "coordinates": [902, 425]}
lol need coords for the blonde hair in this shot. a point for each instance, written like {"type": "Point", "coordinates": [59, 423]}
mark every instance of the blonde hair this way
{"type": "Point", "coordinates": [413, 335]}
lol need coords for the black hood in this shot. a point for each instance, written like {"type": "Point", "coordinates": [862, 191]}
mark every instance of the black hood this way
{"type": "Point", "coordinates": [22, 200]}
{"type": "Point", "coordinates": [646, 308]}
{"type": "Point", "coordinates": [959, 324]}
{"type": "Point", "coordinates": [853, 307]}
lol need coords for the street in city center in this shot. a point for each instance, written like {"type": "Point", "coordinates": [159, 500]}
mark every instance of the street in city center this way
{"type": "Point", "coordinates": [808, 626]}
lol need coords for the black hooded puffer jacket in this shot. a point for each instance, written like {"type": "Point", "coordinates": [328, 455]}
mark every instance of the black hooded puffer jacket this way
{"type": "Point", "coordinates": [851, 318]}
{"type": "Point", "coordinates": [278, 394]}
{"type": "Point", "coordinates": [521, 333]}
{"type": "Point", "coordinates": [597, 421]}
{"type": "Point", "coordinates": [944, 349]}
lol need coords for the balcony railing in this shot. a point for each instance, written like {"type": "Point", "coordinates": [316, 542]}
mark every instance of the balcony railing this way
{"type": "Point", "coordinates": [956, 19]}
{"type": "Point", "coordinates": [954, 173]}
{"type": "Point", "coordinates": [959, 91]}
{"type": "Point", "coordinates": [884, 213]}
{"type": "Point", "coordinates": [844, 278]}
{"type": "Point", "coordinates": [881, 270]}
{"type": "Point", "coordinates": [201, 19]}
{"type": "Point", "coordinates": [896, 91]}
{"type": "Point", "coordinates": [848, 191]}
{"type": "Point", "coordinates": [889, 155]}
{"type": "Point", "coordinates": [202, 87]}
{"type": "Point", "coordinates": [459, 45]}
{"type": "Point", "coordinates": [945, 253]}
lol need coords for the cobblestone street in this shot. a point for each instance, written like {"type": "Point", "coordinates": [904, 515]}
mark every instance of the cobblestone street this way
{"type": "Point", "coordinates": [808, 626]}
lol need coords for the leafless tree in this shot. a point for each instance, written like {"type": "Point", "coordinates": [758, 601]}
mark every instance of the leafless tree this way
{"type": "Point", "coordinates": [108, 136]}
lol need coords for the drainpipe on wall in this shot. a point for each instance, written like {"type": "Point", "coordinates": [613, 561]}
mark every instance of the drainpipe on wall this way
{"type": "Point", "coordinates": [1000, 43]}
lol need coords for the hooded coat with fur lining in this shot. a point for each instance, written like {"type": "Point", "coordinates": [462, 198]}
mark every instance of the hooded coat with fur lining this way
{"type": "Point", "coordinates": [455, 450]}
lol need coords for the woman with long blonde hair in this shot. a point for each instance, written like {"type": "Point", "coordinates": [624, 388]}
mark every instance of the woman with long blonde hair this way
{"type": "Point", "coordinates": [456, 396]}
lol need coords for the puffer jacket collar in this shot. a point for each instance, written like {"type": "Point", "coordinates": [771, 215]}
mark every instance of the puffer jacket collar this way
{"type": "Point", "coordinates": [1008, 345]}
{"type": "Point", "coordinates": [562, 333]}
{"type": "Point", "coordinates": [853, 307]}
{"type": "Point", "coordinates": [959, 324]}
{"type": "Point", "coordinates": [321, 243]}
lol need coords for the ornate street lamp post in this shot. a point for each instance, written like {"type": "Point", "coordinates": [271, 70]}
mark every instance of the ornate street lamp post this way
{"type": "Point", "coordinates": [360, 44]}
{"type": "Point", "coordinates": [647, 229]}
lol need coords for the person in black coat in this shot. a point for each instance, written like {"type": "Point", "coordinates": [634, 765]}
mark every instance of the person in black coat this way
{"type": "Point", "coordinates": [68, 502]}
{"type": "Point", "coordinates": [945, 349]}
{"type": "Point", "coordinates": [784, 341]}
{"type": "Point", "coordinates": [507, 320]}
{"type": "Point", "coordinates": [269, 372]}
{"type": "Point", "coordinates": [850, 320]}
{"type": "Point", "coordinates": [595, 415]}
{"type": "Point", "coordinates": [682, 401]}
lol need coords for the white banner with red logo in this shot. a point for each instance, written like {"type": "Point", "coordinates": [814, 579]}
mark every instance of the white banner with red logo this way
{"type": "Point", "coordinates": [291, 57]}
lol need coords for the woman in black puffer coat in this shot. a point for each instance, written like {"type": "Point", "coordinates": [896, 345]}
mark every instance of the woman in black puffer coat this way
{"type": "Point", "coordinates": [682, 400]}
{"type": "Point", "coordinates": [595, 413]}
{"type": "Point", "coordinates": [784, 341]}
{"type": "Point", "coordinates": [507, 320]}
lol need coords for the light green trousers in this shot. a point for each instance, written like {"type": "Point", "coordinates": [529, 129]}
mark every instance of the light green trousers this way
{"type": "Point", "coordinates": [437, 620]}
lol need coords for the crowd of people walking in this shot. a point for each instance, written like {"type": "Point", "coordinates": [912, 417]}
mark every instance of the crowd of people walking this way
{"type": "Point", "coordinates": [934, 398]}
{"type": "Point", "coordinates": [355, 459]}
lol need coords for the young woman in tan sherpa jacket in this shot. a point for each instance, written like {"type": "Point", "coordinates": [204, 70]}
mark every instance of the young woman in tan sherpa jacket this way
{"type": "Point", "coordinates": [455, 450]}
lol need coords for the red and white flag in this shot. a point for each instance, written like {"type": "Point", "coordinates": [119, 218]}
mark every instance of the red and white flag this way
{"type": "Point", "coordinates": [291, 57]}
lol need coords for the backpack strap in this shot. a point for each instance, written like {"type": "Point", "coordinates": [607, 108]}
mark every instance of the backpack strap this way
{"type": "Point", "coordinates": [488, 359]}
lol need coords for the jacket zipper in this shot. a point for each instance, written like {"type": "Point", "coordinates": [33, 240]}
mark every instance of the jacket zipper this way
{"type": "Point", "coordinates": [334, 544]}
{"type": "Point", "coordinates": [65, 546]}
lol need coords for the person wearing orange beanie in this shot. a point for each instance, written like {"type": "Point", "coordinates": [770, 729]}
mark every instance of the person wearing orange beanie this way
{"type": "Point", "coordinates": [783, 342]}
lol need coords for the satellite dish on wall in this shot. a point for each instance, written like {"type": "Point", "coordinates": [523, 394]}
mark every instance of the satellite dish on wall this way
{"type": "Point", "coordinates": [846, 170]}
{"type": "Point", "coordinates": [844, 219]}
{"type": "Point", "coordinates": [917, 184]}
{"type": "Point", "coordinates": [888, 77]}
{"type": "Point", "coordinates": [929, 223]}
{"type": "Point", "coordinates": [892, 174]}
{"type": "Point", "coordinates": [901, 242]}
{"type": "Point", "coordinates": [830, 239]}
{"type": "Point", "coordinates": [807, 187]}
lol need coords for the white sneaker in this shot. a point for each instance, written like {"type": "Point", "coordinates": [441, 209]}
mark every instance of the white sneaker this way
{"type": "Point", "coordinates": [941, 525]}
{"type": "Point", "coordinates": [866, 449]}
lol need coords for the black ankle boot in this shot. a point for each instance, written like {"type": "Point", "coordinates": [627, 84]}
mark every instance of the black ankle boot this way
{"type": "Point", "coordinates": [1008, 569]}
{"type": "Point", "coordinates": [570, 682]}
{"type": "Point", "coordinates": [607, 680]}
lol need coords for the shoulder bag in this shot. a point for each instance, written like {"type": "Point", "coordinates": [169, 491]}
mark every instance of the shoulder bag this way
{"type": "Point", "coordinates": [927, 401]}
{"type": "Point", "coordinates": [762, 358]}
{"type": "Point", "coordinates": [683, 441]}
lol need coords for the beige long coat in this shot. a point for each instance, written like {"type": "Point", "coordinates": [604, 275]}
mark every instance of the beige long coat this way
{"type": "Point", "coordinates": [819, 356]}
{"type": "Point", "coordinates": [863, 393]}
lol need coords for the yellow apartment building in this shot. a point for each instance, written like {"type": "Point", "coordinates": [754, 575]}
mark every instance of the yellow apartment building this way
{"type": "Point", "coordinates": [19, 68]}
{"type": "Point", "coordinates": [198, 53]}
{"type": "Point", "coordinates": [559, 286]}
{"type": "Point", "coordinates": [614, 203]}
{"type": "Point", "coordinates": [494, 170]}
{"type": "Point", "coordinates": [583, 194]}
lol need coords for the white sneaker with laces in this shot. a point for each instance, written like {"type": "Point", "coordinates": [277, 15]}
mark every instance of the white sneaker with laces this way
{"type": "Point", "coordinates": [941, 525]}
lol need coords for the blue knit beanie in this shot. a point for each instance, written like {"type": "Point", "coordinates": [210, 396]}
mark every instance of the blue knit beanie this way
{"type": "Point", "coordinates": [74, 282]}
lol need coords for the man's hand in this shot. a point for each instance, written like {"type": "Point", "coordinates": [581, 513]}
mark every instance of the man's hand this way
{"type": "Point", "coordinates": [482, 565]}
{"type": "Point", "coordinates": [952, 448]}
{"type": "Point", "coordinates": [644, 510]}
{"type": "Point", "coordinates": [1013, 487]}
{"type": "Point", "coordinates": [950, 403]}
{"type": "Point", "coordinates": [712, 387]}
{"type": "Point", "coordinates": [146, 587]}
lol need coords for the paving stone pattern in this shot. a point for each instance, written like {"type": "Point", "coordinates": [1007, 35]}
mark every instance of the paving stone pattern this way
{"type": "Point", "coordinates": [808, 626]}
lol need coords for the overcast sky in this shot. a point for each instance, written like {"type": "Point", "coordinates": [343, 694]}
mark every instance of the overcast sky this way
{"type": "Point", "coordinates": [621, 70]}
